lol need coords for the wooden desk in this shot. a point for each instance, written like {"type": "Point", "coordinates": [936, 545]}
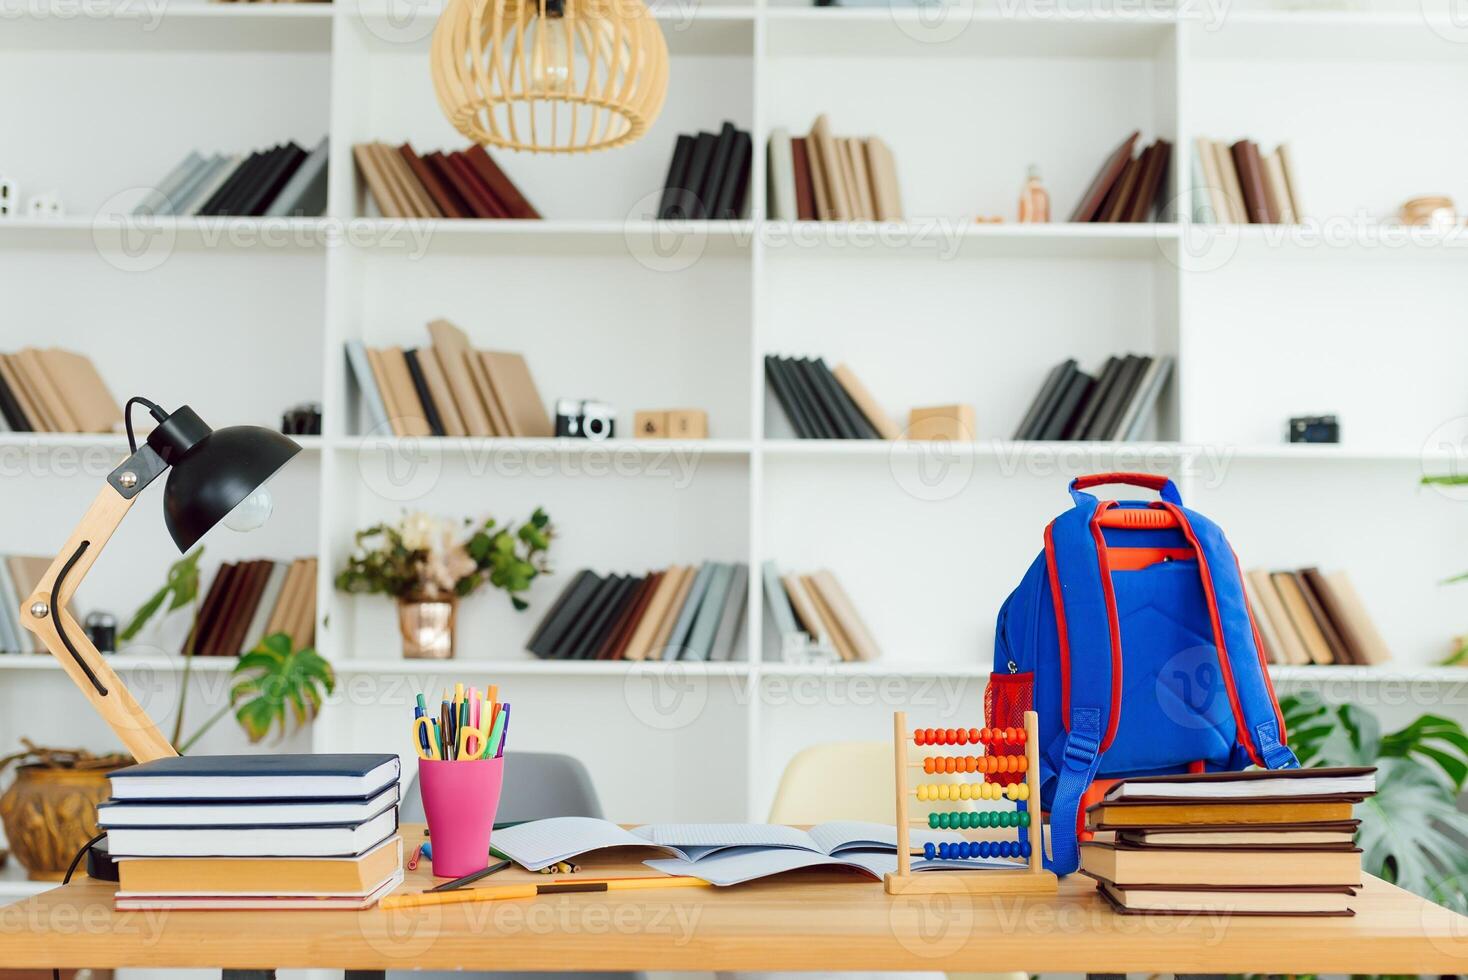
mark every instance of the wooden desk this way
{"type": "Point", "coordinates": [802, 921]}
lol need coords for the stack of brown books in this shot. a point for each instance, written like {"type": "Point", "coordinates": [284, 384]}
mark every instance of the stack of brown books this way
{"type": "Point", "coordinates": [1306, 617]}
{"type": "Point", "coordinates": [1128, 185]}
{"type": "Point", "coordinates": [462, 184]}
{"type": "Point", "coordinates": [249, 600]}
{"type": "Point", "coordinates": [818, 606]}
{"type": "Point", "coordinates": [821, 177]}
{"type": "Point", "coordinates": [1262, 842]}
{"type": "Point", "coordinates": [54, 390]}
{"type": "Point", "coordinates": [448, 388]}
{"type": "Point", "coordinates": [1244, 186]}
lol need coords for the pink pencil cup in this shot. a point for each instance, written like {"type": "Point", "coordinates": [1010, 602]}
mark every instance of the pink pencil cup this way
{"type": "Point", "coordinates": [460, 799]}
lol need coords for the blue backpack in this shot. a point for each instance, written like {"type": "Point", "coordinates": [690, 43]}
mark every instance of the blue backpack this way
{"type": "Point", "coordinates": [1141, 650]}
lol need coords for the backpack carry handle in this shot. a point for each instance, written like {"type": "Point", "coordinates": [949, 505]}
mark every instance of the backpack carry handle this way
{"type": "Point", "coordinates": [1164, 486]}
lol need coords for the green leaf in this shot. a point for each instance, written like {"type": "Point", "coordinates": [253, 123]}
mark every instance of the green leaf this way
{"type": "Point", "coordinates": [274, 683]}
{"type": "Point", "coordinates": [181, 582]}
{"type": "Point", "coordinates": [1411, 831]}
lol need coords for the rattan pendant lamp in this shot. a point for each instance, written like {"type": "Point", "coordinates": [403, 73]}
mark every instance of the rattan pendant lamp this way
{"type": "Point", "coordinates": [550, 76]}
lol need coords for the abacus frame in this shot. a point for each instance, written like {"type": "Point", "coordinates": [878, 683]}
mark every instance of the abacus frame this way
{"type": "Point", "coordinates": [1030, 880]}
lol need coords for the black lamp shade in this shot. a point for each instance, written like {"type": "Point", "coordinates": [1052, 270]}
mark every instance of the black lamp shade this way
{"type": "Point", "coordinates": [216, 473]}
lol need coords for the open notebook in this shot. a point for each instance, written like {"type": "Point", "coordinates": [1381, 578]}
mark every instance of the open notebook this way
{"type": "Point", "coordinates": [728, 853]}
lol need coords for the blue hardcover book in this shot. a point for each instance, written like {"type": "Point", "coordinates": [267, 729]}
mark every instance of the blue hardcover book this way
{"type": "Point", "coordinates": [257, 777]}
{"type": "Point", "coordinates": [684, 623]}
{"type": "Point", "coordinates": [247, 840]}
{"type": "Point", "coordinates": [376, 409]}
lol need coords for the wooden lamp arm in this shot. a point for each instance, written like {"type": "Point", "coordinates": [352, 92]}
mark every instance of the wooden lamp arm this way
{"type": "Point", "coordinates": [41, 613]}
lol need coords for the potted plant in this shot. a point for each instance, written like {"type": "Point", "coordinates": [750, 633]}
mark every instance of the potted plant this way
{"type": "Point", "coordinates": [50, 810]}
{"type": "Point", "coordinates": [1412, 833]}
{"type": "Point", "coordinates": [429, 563]}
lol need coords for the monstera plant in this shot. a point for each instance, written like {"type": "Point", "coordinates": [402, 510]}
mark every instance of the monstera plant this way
{"type": "Point", "coordinates": [1412, 832]}
{"type": "Point", "coordinates": [271, 686]}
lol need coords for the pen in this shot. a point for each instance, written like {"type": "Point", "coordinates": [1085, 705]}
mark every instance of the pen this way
{"type": "Point", "coordinates": [495, 733]}
{"type": "Point", "coordinates": [501, 892]}
{"type": "Point", "coordinates": [504, 732]}
{"type": "Point", "coordinates": [469, 879]}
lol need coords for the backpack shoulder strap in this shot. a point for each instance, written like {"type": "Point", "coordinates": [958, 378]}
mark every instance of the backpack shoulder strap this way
{"type": "Point", "coordinates": [1090, 648]}
{"type": "Point", "coordinates": [1240, 651]}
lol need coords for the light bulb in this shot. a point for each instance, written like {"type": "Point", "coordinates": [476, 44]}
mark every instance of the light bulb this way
{"type": "Point", "coordinates": [251, 512]}
{"type": "Point", "coordinates": [550, 56]}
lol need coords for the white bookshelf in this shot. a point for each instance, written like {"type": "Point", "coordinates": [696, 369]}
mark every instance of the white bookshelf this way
{"type": "Point", "coordinates": [242, 317]}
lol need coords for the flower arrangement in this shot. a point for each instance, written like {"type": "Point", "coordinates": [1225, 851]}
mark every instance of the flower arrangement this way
{"type": "Point", "coordinates": [422, 557]}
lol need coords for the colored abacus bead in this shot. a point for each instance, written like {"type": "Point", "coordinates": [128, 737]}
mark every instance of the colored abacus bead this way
{"type": "Point", "coordinates": [929, 851]}
{"type": "Point", "coordinates": [973, 735]}
{"type": "Point", "coordinates": [1024, 818]}
{"type": "Point", "coordinates": [962, 736]}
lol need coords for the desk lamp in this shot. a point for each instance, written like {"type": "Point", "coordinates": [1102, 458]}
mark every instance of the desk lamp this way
{"type": "Point", "coordinates": [217, 475]}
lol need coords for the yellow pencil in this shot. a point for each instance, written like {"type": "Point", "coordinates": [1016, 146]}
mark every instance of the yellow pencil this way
{"type": "Point", "coordinates": [499, 892]}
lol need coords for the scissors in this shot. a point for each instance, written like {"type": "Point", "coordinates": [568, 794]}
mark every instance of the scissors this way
{"type": "Point", "coordinates": [472, 741]}
{"type": "Point", "coordinates": [426, 737]}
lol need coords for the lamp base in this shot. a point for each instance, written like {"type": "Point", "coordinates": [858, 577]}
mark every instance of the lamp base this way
{"type": "Point", "coordinates": [99, 862]}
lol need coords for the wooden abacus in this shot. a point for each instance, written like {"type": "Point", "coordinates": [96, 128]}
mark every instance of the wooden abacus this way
{"type": "Point", "coordinates": [1027, 878]}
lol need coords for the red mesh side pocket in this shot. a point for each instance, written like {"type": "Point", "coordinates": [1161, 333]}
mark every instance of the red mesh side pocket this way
{"type": "Point", "coordinates": [1006, 699]}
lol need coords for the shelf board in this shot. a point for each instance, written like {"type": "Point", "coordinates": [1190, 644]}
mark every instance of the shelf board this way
{"type": "Point", "coordinates": [188, 25]}
{"type": "Point", "coordinates": [656, 242]}
{"type": "Point", "coordinates": [963, 31]}
{"type": "Point", "coordinates": [538, 668]}
{"type": "Point", "coordinates": [141, 243]}
{"type": "Point", "coordinates": [470, 446]}
{"type": "Point", "coordinates": [102, 440]}
{"type": "Point", "coordinates": [389, 666]}
{"type": "Point", "coordinates": [122, 663]}
{"type": "Point", "coordinates": [945, 238]}
{"type": "Point", "coordinates": [704, 30]}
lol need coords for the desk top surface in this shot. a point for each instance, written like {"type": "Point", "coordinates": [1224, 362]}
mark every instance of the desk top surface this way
{"type": "Point", "coordinates": [799, 921]}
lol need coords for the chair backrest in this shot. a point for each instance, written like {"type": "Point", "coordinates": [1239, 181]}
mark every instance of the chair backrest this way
{"type": "Point", "coordinates": [842, 781]}
{"type": "Point", "coordinates": [537, 785]}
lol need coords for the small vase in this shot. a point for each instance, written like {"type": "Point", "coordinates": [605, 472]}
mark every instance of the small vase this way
{"type": "Point", "coordinates": [49, 814]}
{"type": "Point", "coordinates": [427, 626]}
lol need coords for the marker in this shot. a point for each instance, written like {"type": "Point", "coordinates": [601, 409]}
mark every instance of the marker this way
{"type": "Point", "coordinates": [495, 733]}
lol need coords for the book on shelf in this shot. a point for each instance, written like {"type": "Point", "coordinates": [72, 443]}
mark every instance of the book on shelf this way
{"type": "Point", "coordinates": [824, 404]}
{"type": "Point", "coordinates": [1114, 404]}
{"type": "Point", "coordinates": [447, 388]}
{"type": "Point", "coordinates": [656, 616]}
{"type": "Point", "coordinates": [402, 183]}
{"type": "Point", "coordinates": [708, 175]}
{"type": "Point", "coordinates": [255, 831]}
{"type": "Point", "coordinates": [1240, 184]}
{"type": "Point", "coordinates": [282, 181]}
{"type": "Point", "coordinates": [1263, 842]}
{"type": "Point", "coordinates": [823, 177]}
{"type": "Point", "coordinates": [1310, 617]}
{"type": "Point", "coordinates": [54, 390]}
{"type": "Point", "coordinates": [249, 600]}
{"type": "Point", "coordinates": [1129, 186]}
{"type": "Point", "coordinates": [19, 577]}
{"type": "Point", "coordinates": [816, 608]}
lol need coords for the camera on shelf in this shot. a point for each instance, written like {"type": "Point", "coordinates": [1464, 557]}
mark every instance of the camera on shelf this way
{"type": "Point", "coordinates": [587, 419]}
{"type": "Point", "coordinates": [1315, 428]}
